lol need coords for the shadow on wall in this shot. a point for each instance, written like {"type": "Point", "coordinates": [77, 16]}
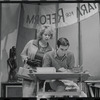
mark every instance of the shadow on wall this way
{"type": "Point", "coordinates": [9, 24]}
{"type": "Point", "coordinates": [9, 19]}
{"type": "Point", "coordinates": [4, 68]}
{"type": "Point", "coordinates": [6, 29]}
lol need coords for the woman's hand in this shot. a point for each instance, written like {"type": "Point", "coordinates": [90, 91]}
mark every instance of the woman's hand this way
{"type": "Point", "coordinates": [25, 60]}
{"type": "Point", "coordinates": [34, 63]}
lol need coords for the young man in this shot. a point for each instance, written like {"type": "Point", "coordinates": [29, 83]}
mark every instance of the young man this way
{"type": "Point", "coordinates": [63, 60]}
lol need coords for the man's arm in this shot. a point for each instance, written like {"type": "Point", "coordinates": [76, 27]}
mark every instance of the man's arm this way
{"type": "Point", "coordinates": [46, 60]}
{"type": "Point", "coordinates": [71, 61]}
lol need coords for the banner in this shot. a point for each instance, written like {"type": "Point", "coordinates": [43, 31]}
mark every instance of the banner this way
{"type": "Point", "coordinates": [30, 15]}
{"type": "Point", "coordinates": [87, 10]}
{"type": "Point", "coordinates": [68, 14]}
{"type": "Point", "coordinates": [48, 15]}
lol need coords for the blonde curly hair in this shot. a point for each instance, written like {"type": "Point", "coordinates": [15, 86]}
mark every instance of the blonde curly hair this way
{"type": "Point", "coordinates": [44, 29]}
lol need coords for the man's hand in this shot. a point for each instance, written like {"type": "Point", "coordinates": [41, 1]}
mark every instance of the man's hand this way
{"type": "Point", "coordinates": [62, 69]}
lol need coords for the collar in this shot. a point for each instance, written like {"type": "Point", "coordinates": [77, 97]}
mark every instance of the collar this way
{"type": "Point", "coordinates": [48, 48]}
{"type": "Point", "coordinates": [36, 43]}
{"type": "Point", "coordinates": [56, 56]}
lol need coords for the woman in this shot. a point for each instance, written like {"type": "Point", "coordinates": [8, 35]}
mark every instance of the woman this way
{"type": "Point", "coordinates": [32, 56]}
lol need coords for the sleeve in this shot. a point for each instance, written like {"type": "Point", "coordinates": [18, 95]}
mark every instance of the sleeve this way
{"type": "Point", "coordinates": [24, 54]}
{"type": "Point", "coordinates": [71, 61]}
{"type": "Point", "coordinates": [46, 60]}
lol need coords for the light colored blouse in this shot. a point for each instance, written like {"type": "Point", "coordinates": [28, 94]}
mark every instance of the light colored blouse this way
{"type": "Point", "coordinates": [32, 50]}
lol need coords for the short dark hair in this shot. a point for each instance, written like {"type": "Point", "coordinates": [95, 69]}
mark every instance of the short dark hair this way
{"type": "Point", "coordinates": [63, 41]}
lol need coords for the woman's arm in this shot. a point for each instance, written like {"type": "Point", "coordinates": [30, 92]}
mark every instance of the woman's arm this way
{"type": "Point", "coordinates": [24, 53]}
{"type": "Point", "coordinates": [46, 60]}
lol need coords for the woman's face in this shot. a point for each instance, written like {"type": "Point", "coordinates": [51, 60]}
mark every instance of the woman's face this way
{"type": "Point", "coordinates": [46, 36]}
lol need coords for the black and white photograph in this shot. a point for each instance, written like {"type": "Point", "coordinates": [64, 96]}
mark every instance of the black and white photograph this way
{"type": "Point", "coordinates": [49, 49]}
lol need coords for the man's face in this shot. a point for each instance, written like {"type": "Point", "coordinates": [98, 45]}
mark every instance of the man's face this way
{"type": "Point", "coordinates": [61, 51]}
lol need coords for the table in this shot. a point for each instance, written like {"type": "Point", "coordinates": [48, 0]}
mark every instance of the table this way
{"type": "Point", "coordinates": [80, 77]}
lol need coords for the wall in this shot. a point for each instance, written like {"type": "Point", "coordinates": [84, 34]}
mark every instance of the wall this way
{"type": "Point", "coordinates": [90, 29]}
{"type": "Point", "coordinates": [9, 30]}
{"type": "Point", "coordinates": [90, 32]}
{"type": "Point", "coordinates": [71, 33]}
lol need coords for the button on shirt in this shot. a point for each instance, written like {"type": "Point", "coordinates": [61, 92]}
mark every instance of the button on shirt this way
{"type": "Point", "coordinates": [52, 60]}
